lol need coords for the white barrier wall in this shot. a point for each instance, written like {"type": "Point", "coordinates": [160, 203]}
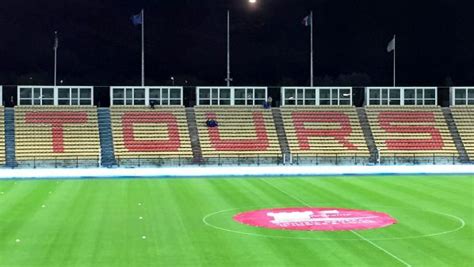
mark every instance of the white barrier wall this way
{"type": "Point", "coordinates": [242, 171]}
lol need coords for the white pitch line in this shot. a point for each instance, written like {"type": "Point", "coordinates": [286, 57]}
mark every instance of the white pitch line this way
{"type": "Point", "coordinates": [381, 248]}
{"type": "Point", "coordinates": [355, 233]}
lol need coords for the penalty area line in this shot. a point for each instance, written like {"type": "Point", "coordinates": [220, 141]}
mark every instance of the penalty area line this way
{"type": "Point", "coordinates": [354, 232]}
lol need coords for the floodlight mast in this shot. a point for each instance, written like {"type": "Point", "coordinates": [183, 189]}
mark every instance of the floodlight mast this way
{"type": "Point", "coordinates": [228, 78]}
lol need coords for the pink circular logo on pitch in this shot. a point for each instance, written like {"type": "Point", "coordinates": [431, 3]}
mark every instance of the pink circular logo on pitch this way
{"type": "Point", "coordinates": [315, 219]}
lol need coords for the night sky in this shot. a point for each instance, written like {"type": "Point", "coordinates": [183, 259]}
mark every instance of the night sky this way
{"type": "Point", "coordinates": [270, 46]}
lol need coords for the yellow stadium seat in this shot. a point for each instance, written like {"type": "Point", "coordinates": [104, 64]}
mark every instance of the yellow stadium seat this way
{"type": "Point", "coordinates": [324, 131]}
{"type": "Point", "coordinates": [242, 131]}
{"type": "Point", "coordinates": [142, 132]}
{"type": "Point", "coordinates": [2, 137]}
{"type": "Point", "coordinates": [56, 133]}
{"type": "Point", "coordinates": [407, 131]}
{"type": "Point", "coordinates": [464, 119]}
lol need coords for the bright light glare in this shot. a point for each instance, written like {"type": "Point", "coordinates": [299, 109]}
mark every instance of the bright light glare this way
{"type": "Point", "coordinates": [252, 1]}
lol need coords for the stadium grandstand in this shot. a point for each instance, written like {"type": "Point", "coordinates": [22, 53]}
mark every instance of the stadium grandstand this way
{"type": "Point", "coordinates": [62, 126]}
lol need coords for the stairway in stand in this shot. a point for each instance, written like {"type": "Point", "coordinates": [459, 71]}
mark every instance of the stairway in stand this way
{"type": "Point", "coordinates": [369, 138]}
{"type": "Point", "coordinates": [280, 129]}
{"type": "Point", "coordinates": [10, 137]}
{"type": "Point", "coordinates": [106, 139]}
{"type": "Point", "coordinates": [194, 135]}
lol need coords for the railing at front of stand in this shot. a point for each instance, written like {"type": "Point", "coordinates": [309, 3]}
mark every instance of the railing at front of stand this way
{"type": "Point", "coordinates": [417, 159]}
{"type": "Point", "coordinates": [59, 162]}
{"type": "Point", "coordinates": [238, 160]}
{"type": "Point", "coordinates": [330, 159]}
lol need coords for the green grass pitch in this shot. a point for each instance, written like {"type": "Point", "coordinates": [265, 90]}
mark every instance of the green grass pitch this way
{"type": "Point", "coordinates": [188, 222]}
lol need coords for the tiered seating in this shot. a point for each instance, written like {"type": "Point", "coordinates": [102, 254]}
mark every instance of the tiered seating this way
{"type": "Point", "coordinates": [62, 133]}
{"type": "Point", "coordinates": [408, 131]}
{"type": "Point", "coordinates": [2, 136]}
{"type": "Point", "coordinates": [142, 132]}
{"type": "Point", "coordinates": [464, 118]}
{"type": "Point", "coordinates": [243, 131]}
{"type": "Point", "coordinates": [324, 131]}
